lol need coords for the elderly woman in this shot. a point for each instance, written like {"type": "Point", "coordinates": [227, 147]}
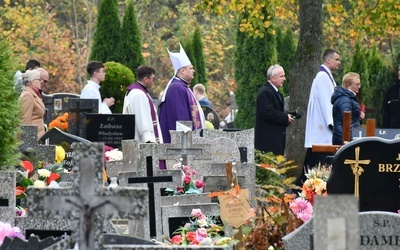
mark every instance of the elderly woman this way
{"type": "Point", "coordinates": [33, 108]}
{"type": "Point", "coordinates": [344, 99]}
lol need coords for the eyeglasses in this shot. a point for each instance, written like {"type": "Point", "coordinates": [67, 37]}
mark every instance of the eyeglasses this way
{"type": "Point", "coordinates": [45, 81]}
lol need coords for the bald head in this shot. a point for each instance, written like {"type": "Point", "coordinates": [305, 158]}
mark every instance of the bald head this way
{"type": "Point", "coordinates": [43, 74]}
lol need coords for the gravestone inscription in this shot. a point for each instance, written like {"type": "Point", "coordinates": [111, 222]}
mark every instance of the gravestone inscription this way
{"type": "Point", "coordinates": [369, 167]}
{"type": "Point", "coordinates": [110, 129]}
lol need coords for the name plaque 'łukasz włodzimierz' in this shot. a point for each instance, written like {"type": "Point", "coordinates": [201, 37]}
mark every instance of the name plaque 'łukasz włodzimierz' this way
{"type": "Point", "coordinates": [110, 129]}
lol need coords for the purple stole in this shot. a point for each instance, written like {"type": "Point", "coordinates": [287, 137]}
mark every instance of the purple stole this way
{"type": "Point", "coordinates": [137, 85]}
{"type": "Point", "coordinates": [322, 68]}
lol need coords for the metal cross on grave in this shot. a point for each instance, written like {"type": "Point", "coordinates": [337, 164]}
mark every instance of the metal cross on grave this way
{"type": "Point", "coordinates": [88, 199]}
{"type": "Point", "coordinates": [181, 145]}
{"type": "Point", "coordinates": [357, 169]}
{"type": "Point", "coordinates": [150, 175]}
{"type": "Point", "coordinates": [29, 138]}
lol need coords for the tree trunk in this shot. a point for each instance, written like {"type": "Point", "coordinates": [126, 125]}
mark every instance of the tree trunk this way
{"type": "Point", "coordinates": [304, 68]}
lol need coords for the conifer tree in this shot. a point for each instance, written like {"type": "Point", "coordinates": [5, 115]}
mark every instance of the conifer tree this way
{"type": "Point", "coordinates": [188, 47]}
{"type": "Point", "coordinates": [130, 45]}
{"type": "Point", "coordinates": [107, 34]}
{"type": "Point", "coordinates": [286, 49]}
{"type": "Point", "coordinates": [199, 58]}
{"type": "Point", "coordinates": [251, 67]}
{"type": "Point", "coordinates": [9, 110]}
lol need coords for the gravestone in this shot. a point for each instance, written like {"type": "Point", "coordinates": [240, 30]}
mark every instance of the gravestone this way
{"type": "Point", "coordinates": [130, 161]}
{"type": "Point", "coordinates": [244, 140]}
{"type": "Point", "coordinates": [7, 197]}
{"type": "Point", "coordinates": [385, 133]}
{"type": "Point", "coordinates": [87, 198]}
{"type": "Point", "coordinates": [77, 110]}
{"type": "Point", "coordinates": [149, 174]}
{"type": "Point", "coordinates": [110, 129]}
{"type": "Point", "coordinates": [376, 164]}
{"type": "Point", "coordinates": [33, 243]}
{"type": "Point", "coordinates": [30, 144]}
{"type": "Point", "coordinates": [336, 223]}
{"type": "Point", "coordinates": [175, 216]}
{"type": "Point", "coordinates": [56, 104]}
{"type": "Point", "coordinates": [211, 116]}
{"type": "Point", "coordinates": [378, 231]}
{"type": "Point", "coordinates": [57, 137]}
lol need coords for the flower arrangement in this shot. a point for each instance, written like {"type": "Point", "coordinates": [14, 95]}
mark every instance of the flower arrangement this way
{"type": "Point", "coordinates": [112, 154]}
{"type": "Point", "coordinates": [315, 183]}
{"type": "Point", "coordinates": [6, 230]}
{"type": "Point", "coordinates": [45, 176]}
{"type": "Point", "coordinates": [274, 217]}
{"type": "Point", "coordinates": [189, 184]}
{"type": "Point", "coordinates": [20, 211]}
{"type": "Point", "coordinates": [201, 230]}
{"type": "Point", "coordinates": [60, 122]}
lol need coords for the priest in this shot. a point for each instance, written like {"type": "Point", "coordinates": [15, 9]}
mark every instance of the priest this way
{"type": "Point", "coordinates": [179, 102]}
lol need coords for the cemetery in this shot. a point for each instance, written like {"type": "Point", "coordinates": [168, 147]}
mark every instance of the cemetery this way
{"type": "Point", "coordinates": [97, 196]}
{"type": "Point", "coordinates": [85, 180]}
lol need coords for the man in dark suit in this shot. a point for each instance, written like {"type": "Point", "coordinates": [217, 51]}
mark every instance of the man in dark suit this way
{"type": "Point", "coordinates": [271, 120]}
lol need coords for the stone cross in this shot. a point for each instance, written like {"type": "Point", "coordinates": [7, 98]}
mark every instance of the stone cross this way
{"type": "Point", "coordinates": [7, 197]}
{"type": "Point", "coordinates": [30, 143]}
{"type": "Point", "coordinates": [357, 169]}
{"type": "Point", "coordinates": [88, 197]}
{"type": "Point", "coordinates": [150, 175]}
{"type": "Point", "coordinates": [77, 110]}
{"type": "Point", "coordinates": [182, 146]}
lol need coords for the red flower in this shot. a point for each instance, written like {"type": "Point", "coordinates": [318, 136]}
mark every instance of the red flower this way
{"type": "Point", "coordinates": [20, 190]}
{"type": "Point", "coordinates": [194, 242]}
{"type": "Point", "coordinates": [52, 177]}
{"type": "Point", "coordinates": [177, 239]}
{"type": "Point", "coordinates": [191, 236]}
{"type": "Point", "coordinates": [179, 189]}
{"type": "Point", "coordinates": [199, 184]}
{"type": "Point", "coordinates": [27, 165]}
{"type": "Point", "coordinates": [187, 180]}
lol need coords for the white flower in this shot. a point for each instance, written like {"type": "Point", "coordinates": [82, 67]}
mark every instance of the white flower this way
{"type": "Point", "coordinates": [53, 184]}
{"type": "Point", "coordinates": [206, 241]}
{"type": "Point", "coordinates": [39, 184]}
{"type": "Point", "coordinates": [114, 155]}
{"type": "Point", "coordinates": [202, 223]}
{"type": "Point", "coordinates": [44, 172]}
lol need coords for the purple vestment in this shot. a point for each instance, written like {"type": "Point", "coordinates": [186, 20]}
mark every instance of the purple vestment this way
{"type": "Point", "coordinates": [179, 105]}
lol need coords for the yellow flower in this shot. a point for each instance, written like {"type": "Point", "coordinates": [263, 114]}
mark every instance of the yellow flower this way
{"type": "Point", "coordinates": [44, 172]}
{"type": "Point", "coordinates": [39, 184]}
{"type": "Point", "coordinates": [60, 154]}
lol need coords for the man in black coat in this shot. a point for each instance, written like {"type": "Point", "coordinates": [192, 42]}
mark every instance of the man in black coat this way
{"type": "Point", "coordinates": [271, 120]}
{"type": "Point", "coordinates": [391, 105]}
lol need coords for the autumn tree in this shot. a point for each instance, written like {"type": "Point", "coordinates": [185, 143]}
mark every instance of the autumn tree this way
{"type": "Point", "coordinates": [199, 57]}
{"type": "Point", "coordinates": [107, 34]}
{"type": "Point", "coordinates": [251, 67]}
{"type": "Point", "coordinates": [9, 110]}
{"type": "Point", "coordinates": [130, 45]}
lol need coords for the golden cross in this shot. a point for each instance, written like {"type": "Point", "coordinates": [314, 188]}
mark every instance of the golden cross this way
{"type": "Point", "coordinates": [357, 170]}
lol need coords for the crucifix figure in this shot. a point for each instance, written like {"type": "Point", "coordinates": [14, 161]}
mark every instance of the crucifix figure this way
{"type": "Point", "coordinates": [357, 169]}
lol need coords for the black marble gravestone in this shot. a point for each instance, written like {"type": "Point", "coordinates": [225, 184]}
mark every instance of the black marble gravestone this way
{"type": "Point", "coordinates": [56, 105]}
{"type": "Point", "coordinates": [211, 116]}
{"type": "Point", "coordinates": [369, 167]}
{"type": "Point", "coordinates": [65, 140]}
{"type": "Point", "coordinates": [110, 129]}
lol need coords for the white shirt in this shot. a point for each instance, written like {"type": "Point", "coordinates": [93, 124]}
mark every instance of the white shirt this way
{"type": "Point", "coordinates": [137, 103]}
{"type": "Point", "coordinates": [319, 111]}
{"type": "Point", "coordinates": [91, 91]}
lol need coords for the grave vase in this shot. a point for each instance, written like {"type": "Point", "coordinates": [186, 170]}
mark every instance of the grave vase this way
{"type": "Point", "coordinates": [114, 182]}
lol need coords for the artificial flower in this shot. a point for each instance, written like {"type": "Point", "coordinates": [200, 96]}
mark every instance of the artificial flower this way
{"type": "Point", "coordinates": [39, 184]}
{"type": "Point", "coordinates": [60, 122]}
{"type": "Point", "coordinates": [60, 154]}
{"type": "Point", "coordinates": [191, 236]}
{"type": "Point", "coordinates": [53, 184]}
{"type": "Point", "coordinates": [20, 211]}
{"type": "Point", "coordinates": [53, 177]}
{"type": "Point", "coordinates": [44, 173]}
{"type": "Point", "coordinates": [6, 230]}
{"type": "Point", "coordinates": [302, 209]}
{"type": "Point", "coordinates": [189, 184]}
{"type": "Point", "coordinates": [27, 166]}
{"type": "Point", "coordinates": [113, 155]}
{"type": "Point", "coordinates": [177, 239]}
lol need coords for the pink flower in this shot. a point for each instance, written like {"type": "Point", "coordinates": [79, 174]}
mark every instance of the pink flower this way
{"type": "Point", "coordinates": [199, 184]}
{"type": "Point", "coordinates": [198, 214]}
{"type": "Point", "coordinates": [177, 239]}
{"type": "Point", "coordinates": [179, 189]}
{"type": "Point", "coordinates": [194, 172]}
{"type": "Point", "coordinates": [398, 211]}
{"type": "Point", "coordinates": [302, 209]}
{"type": "Point", "coordinates": [202, 232]}
{"type": "Point", "coordinates": [185, 168]}
{"type": "Point", "coordinates": [7, 230]}
{"type": "Point", "coordinates": [191, 236]}
{"type": "Point", "coordinates": [187, 180]}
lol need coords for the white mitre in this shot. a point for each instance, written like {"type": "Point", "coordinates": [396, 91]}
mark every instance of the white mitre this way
{"type": "Point", "coordinates": [179, 59]}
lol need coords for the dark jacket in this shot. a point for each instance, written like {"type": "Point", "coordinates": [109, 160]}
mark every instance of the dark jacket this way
{"type": "Point", "coordinates": [344, 100]}
{"type": "Point", "coordinates": [271, 121]}
{"type": "Point", "coordinates": [391, 107]}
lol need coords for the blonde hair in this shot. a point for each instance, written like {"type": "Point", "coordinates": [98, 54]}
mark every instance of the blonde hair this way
{"type": "Point", "coordinates": [200, 88]}
{"type": "Point", "coordinates": [349, 78]}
